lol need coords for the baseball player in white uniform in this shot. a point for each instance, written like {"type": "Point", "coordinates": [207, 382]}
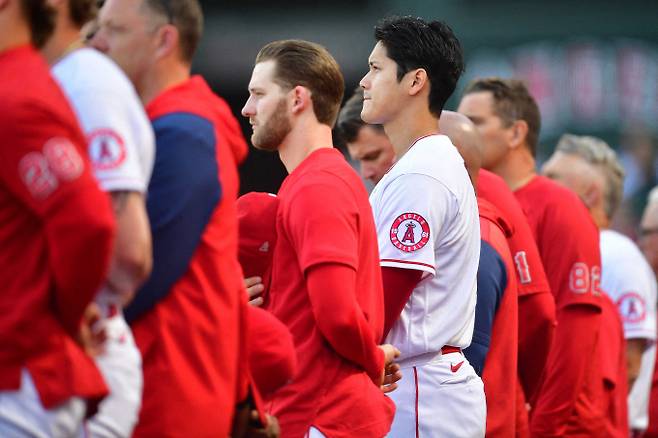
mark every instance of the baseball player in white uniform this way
{"type": "Point", "coordinates": [426, 216]}
{"type": "Point", "coordinates": [629, 281]}
{"type": "Point", "coordinates": [121, 148]}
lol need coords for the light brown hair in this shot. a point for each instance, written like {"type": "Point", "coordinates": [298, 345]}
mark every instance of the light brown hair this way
{"type": "Point", "coordinates": [310, 65]}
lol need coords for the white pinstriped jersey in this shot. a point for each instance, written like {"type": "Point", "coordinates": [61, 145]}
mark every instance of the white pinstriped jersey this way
{"type": "Point", "coordinates": [629, 281]}
{"type": "Point", "coordinates": [427, 219]}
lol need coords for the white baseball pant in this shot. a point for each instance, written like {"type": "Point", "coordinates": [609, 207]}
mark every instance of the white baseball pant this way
{"type": "Point", "coordinates": [121, 366]}
{"type": "Point", "coordinates": [440, 398]}
{"type": "Point", "coordinates": [23, 416]}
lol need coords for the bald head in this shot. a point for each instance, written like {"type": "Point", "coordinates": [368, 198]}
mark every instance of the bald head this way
{"type": "Point", "coordinates": [466, 138]}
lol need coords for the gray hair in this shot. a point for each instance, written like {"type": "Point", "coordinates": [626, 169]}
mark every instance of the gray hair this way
{"type": "Point", "coordinates": [597, 152]}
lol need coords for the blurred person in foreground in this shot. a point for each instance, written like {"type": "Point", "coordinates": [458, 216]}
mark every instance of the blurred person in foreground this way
{"type": "Point", "coordinates": [121, 148]}
{"type": "Point", "coordinates": [56, 241]}
{"type": "Point", "coordinates": [188, 318]}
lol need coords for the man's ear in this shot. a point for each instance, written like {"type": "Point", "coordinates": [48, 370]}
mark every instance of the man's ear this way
{"type": "Point", "coordinates": [301, 99]}
{"type": "Point", "coordinates": [519, 132]}
{"type": "Point", "coordinates": [593, 194]}
{"type": "Point", "coordinates": [168, 38]}
{"type": "Point", "coordinates": [417, 80]}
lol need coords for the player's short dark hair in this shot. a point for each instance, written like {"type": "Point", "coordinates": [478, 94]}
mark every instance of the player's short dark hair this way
{"type": "Point", "coordinates": [187, 17]}
{"type": "Point", "coordinates": [41, 19]}
{"type": "Point", "coordinates": [415, 43]}
{"type": "Point", "coordinates": [310, 65]}
{"type": "Point", "coordinates": [349, 121]}
{"type": "Point", "coordinates": [82, 11]}
{"type": "Point", "coordinates": [511, 102]}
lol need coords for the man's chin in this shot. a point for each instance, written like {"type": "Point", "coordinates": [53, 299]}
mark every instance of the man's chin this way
{"type": "Point", "coordinates": [366, 116]}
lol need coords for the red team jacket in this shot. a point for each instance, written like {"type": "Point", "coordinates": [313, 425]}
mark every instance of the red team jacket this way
{"type": "Point", "coordinates": [536, 304]}
{"type": "Point", "coordinates": [568, 399]}
{"type": "Point", "coordinates": [500, 369]}
{"type": "Point", "coordinates": [324, 217]}
{"type": "Point", "coordinates": [56, 235]}
{"type": "Point", "coordinates": [190, 334]}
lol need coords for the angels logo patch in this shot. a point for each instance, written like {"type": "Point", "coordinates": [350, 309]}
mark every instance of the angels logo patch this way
{"type": "Point", "coordinates": [632, 307]}
{"type": "Point", "coordinates": [106, 149]}
{"type": "Point", "coordinates": [410, 232]}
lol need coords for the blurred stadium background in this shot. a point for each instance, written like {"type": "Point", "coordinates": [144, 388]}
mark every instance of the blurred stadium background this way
{"type": "Point", "coordinates": [592, 65]}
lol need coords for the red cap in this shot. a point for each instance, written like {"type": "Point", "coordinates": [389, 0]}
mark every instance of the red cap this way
{"type": "Point", "coordinates": [257, 220]}
{"type": "Point", "coordinates": [271, 349]}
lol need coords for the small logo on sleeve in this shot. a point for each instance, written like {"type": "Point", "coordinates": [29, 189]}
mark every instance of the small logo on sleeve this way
{"type": "Point", "coordinates": [632, 307]}
{"type": "Point", "coordinates": [106, 149]}
{"type": "Point", "coordinates": [410, 232]}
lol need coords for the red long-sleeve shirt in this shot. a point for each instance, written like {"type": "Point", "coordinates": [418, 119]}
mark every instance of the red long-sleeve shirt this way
{"type": "Point", "coordinates": [326, 288]}
{"type": "Point", "coordinates": [536, 304]}
{"type": "Point", "coordinates": [568, 243]}
{"type": "Point", "coordinates": [56, 234]}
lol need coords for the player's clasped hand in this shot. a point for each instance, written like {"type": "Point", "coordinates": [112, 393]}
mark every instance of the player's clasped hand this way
{"type": "Point", "coordinates": [255, 288]}
{"type": "Point", "coordinates": [92, 335]}
{"type": "Point", "coordinates": [391, 373]}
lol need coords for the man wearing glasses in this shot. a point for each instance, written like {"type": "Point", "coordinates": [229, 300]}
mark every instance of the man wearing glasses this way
{"type": "Point", "coordinates": [186, 318]}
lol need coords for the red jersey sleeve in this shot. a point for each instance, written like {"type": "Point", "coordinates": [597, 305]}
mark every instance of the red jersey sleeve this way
{"type": "Point", "coordinates": [567, 372]}
{"type": "Point", "coordinates": [46, 169]}
{"type": "Point", "coordinates": [326, 239]}
{"type": "Point", "coordinates": [570, 250]}
{"type": "Point", "coordinates": [322, 233]}
{"type": "Point", "coordinates": [340, 319]}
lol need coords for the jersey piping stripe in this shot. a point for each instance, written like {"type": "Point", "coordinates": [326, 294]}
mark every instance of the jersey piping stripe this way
{"type": "Point", "coordinates": [406, 262]}
{"type": "Point", "coordinates": [412, 145]}
{"type": "Point", "coordinates": [416, 382]}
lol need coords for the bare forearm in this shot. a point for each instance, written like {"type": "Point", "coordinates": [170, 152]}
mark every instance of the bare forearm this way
{"type": "Point", "coordinates": [132, 256]}
{"type": "Point", "coordinates": [634, 350]}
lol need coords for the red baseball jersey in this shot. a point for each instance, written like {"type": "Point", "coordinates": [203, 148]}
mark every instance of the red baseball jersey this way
{"type": "Point", "coordinates": [529, 268]}
{"type": "Point", "coordinates": [535, 337]}
{"type": "Point", "coordinates": [56, 235]}
{"type": "Point", "coordinates": [500, 369]}
{"type": "Point", "coordinates": [325, 218]}
{"type": "Point", "coordinates": [568, 243]}
{"type": "Point", "coordinates": [612, 357]}
{"type": "Point", "coordinates": [567, 239]}
{"type": "Point", "coordinates": [188, 319]}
